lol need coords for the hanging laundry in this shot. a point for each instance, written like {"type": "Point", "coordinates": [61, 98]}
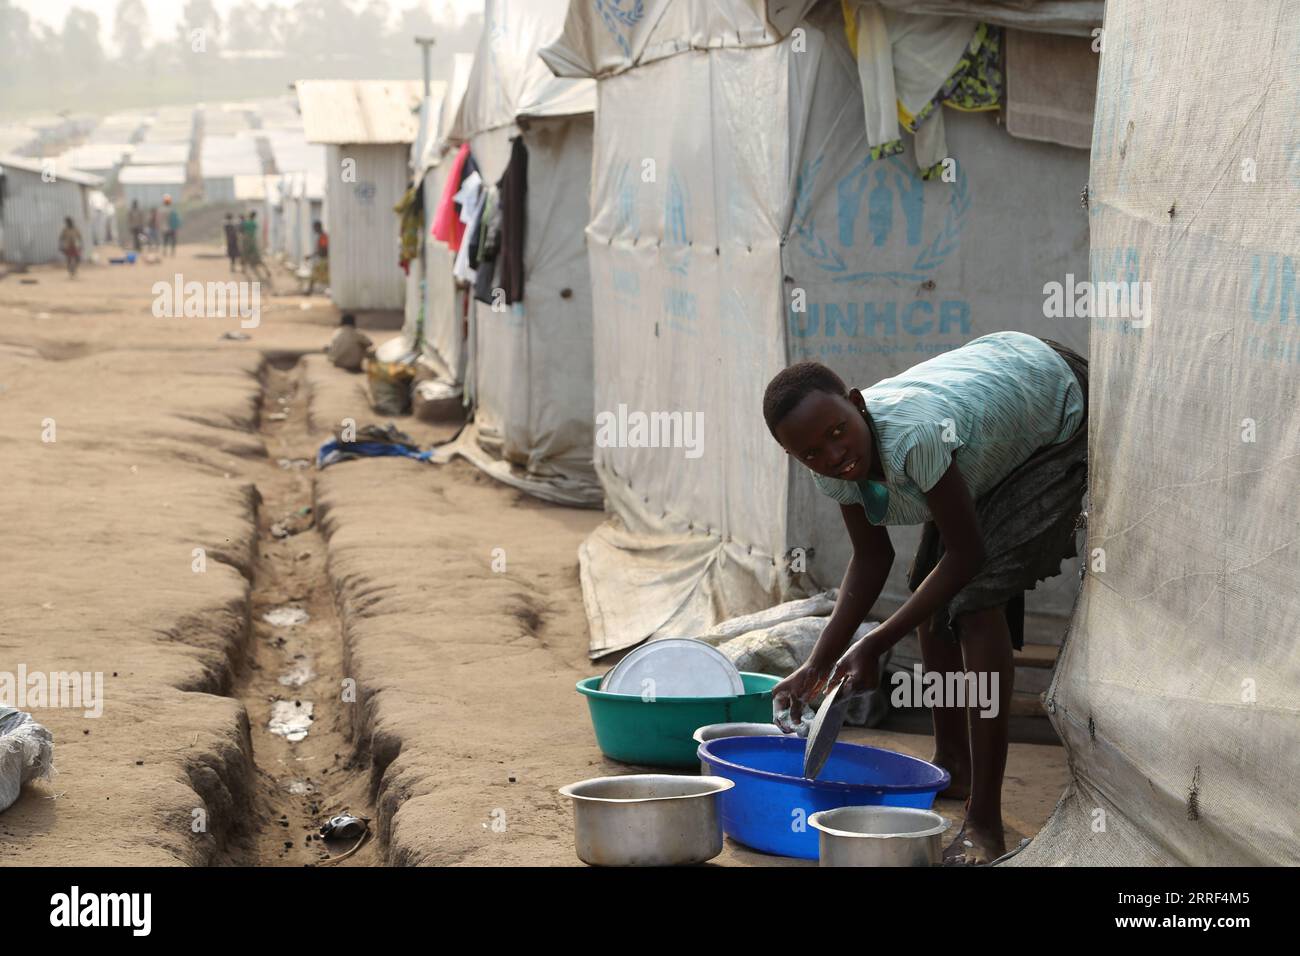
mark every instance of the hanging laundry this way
{"type": "Point", "coordinates": [411, 211]}
{"type": "Point", "coordinates": [447, 226]}
{"type": "Point", "coordinates": [472, 204]}
{"type": "Point", "coordinates": [909, 65]}
{"type": "Point", "coordinates": [513, 187]}
{"type": "Point", "coordinates": [474, 237]}
{"type": "Point", "coordinates": [470, 198]}
{"type": "Point", "coordinates": [489, 246]}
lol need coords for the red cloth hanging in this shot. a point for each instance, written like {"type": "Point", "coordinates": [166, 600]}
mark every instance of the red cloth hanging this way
{"type": "Point", "coordinates": [447, 226]}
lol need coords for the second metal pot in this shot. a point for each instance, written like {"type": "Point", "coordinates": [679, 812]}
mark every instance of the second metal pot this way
{"type": "Point", "coordinates": [879, 836]}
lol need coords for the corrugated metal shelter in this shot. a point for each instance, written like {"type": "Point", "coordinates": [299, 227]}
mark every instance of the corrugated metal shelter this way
{"type": "Point", "coordinates": [222, 159]}
{"type": "Point", "coordinates": [34, 200]}
{"type": "Point", "coordinates": [148, 184]}
{"type": "Point", "coordinates": [740, 222]}
{"type": "Point", "coordinates": [302, 200]}
{"type": "Point", "coordinates": [367, 127]}
{"type": "Point", "coordinates": [100, 159]}
{"type": "Point", "coordinates": [161, 154]}
{"type": "Point", "coordinates": [530, 373]}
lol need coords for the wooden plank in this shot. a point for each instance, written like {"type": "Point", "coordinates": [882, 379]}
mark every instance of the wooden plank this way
{"type": "Point", "coordinates": [1037, 655]}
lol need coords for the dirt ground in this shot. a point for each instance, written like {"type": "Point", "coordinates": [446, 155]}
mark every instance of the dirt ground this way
{"type": "Point", "coordinates": [441, 691]}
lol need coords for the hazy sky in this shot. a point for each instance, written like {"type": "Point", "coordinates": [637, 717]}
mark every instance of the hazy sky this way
{"type": "Point", "coordinates": [163, 14]}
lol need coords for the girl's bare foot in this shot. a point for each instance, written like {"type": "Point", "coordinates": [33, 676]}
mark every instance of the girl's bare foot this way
{"type": "Point", "coordinates": [975, 846]}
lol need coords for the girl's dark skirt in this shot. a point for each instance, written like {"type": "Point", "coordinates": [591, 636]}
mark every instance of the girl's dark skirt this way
{"type": "Point", "coordinates": [1028, 522]}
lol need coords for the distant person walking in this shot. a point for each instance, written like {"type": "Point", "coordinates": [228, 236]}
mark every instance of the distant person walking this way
{"type": "Point", "coordinates": [250, 252]}
{"type": "Point", "coordinates": [135, 222]}
{"type": "Point", "coordinates": [232, 241]}
{"type": "Point", "coordinates": [153, 227]}
{"type": "Point", "coordinates": [70, 246]}
{"type": "Point", "coordinates": [320, 265]}
{"type": "Point", "coordinates": [173, 225]}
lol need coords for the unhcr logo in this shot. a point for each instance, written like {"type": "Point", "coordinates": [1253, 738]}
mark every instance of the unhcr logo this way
{"type": "Point", "coordinates": [208, 300]}
{"type": "Point", "coordinates": [1098, 300]}
{"type": "Point", "coordinates": [624, 429]}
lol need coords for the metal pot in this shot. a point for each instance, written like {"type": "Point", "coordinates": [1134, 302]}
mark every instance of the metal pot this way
{"type": "Point", "coordinates": [714, 731]}
{"type": "Point", "coordinates": [651, 819]}
{"type": "Point", "coordinates": [879, 836]}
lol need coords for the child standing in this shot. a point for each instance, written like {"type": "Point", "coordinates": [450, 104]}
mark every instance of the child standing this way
{"type": "Point", "coordinates": [70, 246]}
{"type": "Point", "coordinates": [985, 446]}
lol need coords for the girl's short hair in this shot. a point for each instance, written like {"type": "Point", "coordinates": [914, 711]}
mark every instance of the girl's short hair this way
{"type": "Point", "coordinates": [792, 385]}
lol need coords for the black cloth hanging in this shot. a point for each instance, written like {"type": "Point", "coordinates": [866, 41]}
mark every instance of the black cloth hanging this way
{"type": "Point", "coordinates": [513, 191]}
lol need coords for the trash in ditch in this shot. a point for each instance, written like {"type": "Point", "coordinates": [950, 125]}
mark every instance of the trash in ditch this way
{"type": "Point", "coordinates": [300, 787]}
{"type": "Point", "coordinates": [277, 417]}
{"type": "Point", "coordinates": [286, 616]}
{"type": "Point", "coordinates": [290, 719]}
{"type": "Point", "coordinates": [297, 675]}
{"type": "Point", "coordinates": [235, 336]}
{"type": "Point", "coordinates": [293, 463]}
{"type": "Point", "coordinates": [344, 827]}
{"type": "Point", "coordinates": [294, 523]}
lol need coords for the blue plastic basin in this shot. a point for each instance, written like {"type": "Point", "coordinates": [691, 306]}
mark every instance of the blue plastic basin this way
{"type": "Point", "coordinates": [769, 807]}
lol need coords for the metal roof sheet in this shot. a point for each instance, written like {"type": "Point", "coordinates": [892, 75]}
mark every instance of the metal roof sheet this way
{"type": "Point", "coordinates": [61, 170]}
{"type": "Point", "coordinates": [360, 111]}
{"type": "Point", "coordinates": [155, 175]}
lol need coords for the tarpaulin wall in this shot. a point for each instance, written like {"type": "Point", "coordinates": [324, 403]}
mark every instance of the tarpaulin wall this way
{"type": "Point", "coordinates": [531, 375]}
{"type": "Point", "coordinates": [762, 188]}
{"type": "Point", "coordinates": [1176, 695]}
{"type": "Point", "coordinates": [533, 358]}
{"type": "Point", "coordinates": [444, 336]}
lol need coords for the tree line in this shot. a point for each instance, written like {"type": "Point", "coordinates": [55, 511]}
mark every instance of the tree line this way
{"type": "Point", "coordinates": [254, 50]}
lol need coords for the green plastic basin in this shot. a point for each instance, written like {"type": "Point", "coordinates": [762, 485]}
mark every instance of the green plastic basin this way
{"type": "Point", "coordinates": [658, 733]}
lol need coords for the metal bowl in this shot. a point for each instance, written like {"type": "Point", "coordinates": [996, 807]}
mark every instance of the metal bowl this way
{"type": "Point", "coordinates": [879, 836]}
{"type": "Point", "coordinates": [714, 731]}
{"type": "Point", "coordinates": [649, 819]}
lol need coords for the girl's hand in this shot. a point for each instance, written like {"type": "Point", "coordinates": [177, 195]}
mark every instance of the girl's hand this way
{"type": "Point", "coordinates": [791, 696]}
{"type": "Point", "coordinates": [859, 668]}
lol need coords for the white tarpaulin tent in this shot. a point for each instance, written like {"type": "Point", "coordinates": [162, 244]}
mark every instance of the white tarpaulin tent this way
{"type": "Point", "coordinates": [439, 333]}
{"type": "Point", "coordinates": [731, 178]}
{"type": "Point", "coordinates": [1175, 694]}
{"type": "Point", "coordinates": [530, 362]}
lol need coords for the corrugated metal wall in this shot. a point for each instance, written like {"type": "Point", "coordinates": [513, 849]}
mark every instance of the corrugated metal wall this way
{"type": "Point", "coordinates": [33, 212]}
{"type": "Point", "coordinates": [362, 226]}
{"type": "Point", "coordinates": [148, 194]}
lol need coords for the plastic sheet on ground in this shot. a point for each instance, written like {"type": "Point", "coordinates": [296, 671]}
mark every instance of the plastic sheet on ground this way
{"type": "Point", "coordinates": [26, 753]}
{"type": "Point", "coordinates": [779, 639]}
{"type": "Point", "coordinates": [558, 488]}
